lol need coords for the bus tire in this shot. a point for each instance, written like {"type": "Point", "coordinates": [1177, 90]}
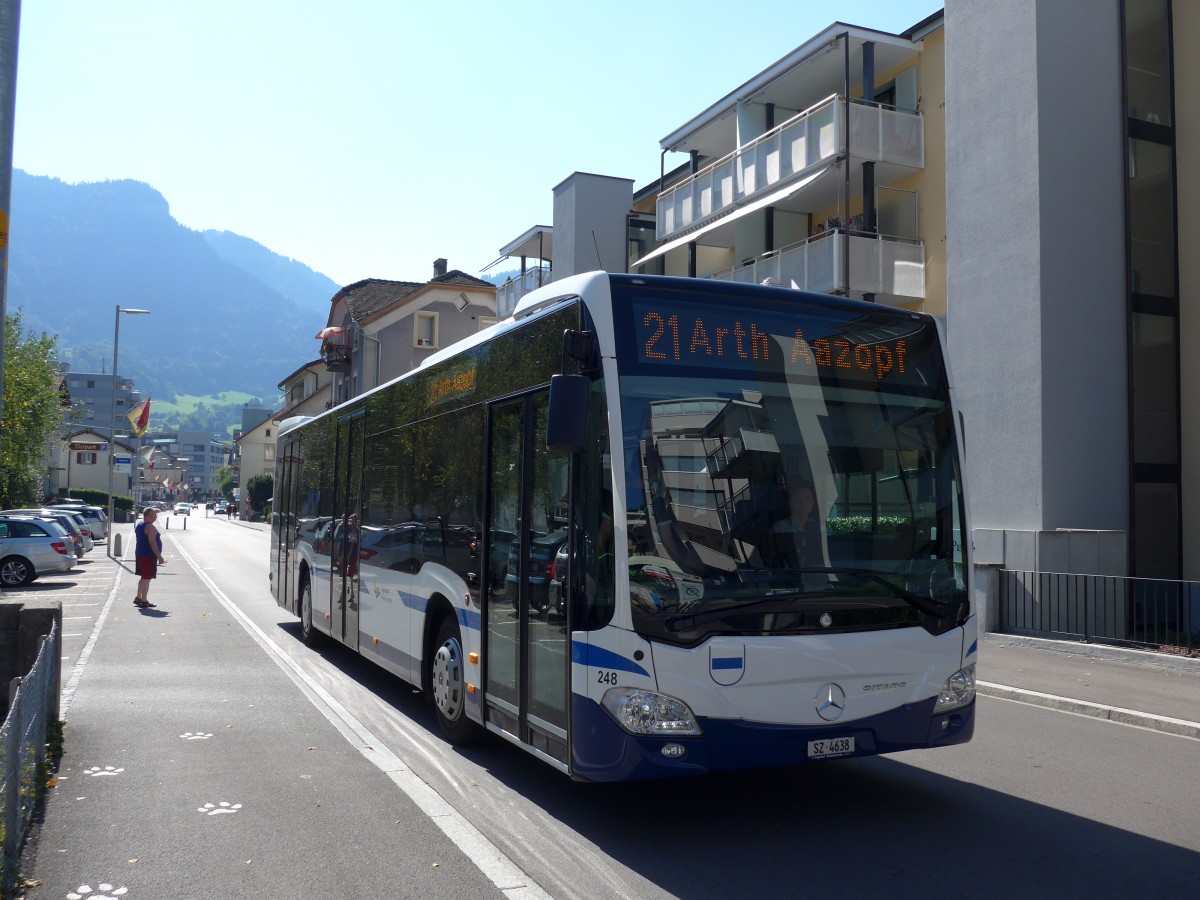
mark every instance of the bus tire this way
{"type": "Point", "coordinates": [308, 634]}
{"type": "Point", "coordinates": [448, 684]}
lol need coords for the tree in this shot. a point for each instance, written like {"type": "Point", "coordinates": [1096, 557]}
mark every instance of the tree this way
{"type": "Point", "coordinates": [260, 489]}
{"type": "Point", "coordinates": [226, 478]}
{"type": "Point", "coordinates": [31, 415]}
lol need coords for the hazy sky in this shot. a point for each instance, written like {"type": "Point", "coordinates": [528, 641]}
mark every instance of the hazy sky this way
{"type": "Point", "coordinates": [367, 138]}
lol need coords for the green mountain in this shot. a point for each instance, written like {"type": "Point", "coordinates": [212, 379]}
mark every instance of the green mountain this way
{"type": "Point", "coordinates": [227, 315]}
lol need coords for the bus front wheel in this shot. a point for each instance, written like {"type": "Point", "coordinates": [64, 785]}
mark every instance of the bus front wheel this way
{"type": "Point", "coordinates": [448, 677]}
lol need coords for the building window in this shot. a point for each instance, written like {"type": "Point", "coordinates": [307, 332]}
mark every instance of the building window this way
{"type": "Point", "coordinates": [269, 452]}
{"type": "Point", "coordinates": [425, 329]}
{"type": "Point", "coordinates": [487, 322]}
{"type": "Point", "coordinates": [85, 459]}
{"type": "Point", "coordinates": [1153, 271]}
{"type": "Point", "coordinates": [91, 384]}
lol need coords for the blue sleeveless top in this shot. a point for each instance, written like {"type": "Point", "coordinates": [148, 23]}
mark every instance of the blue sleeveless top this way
{"type": "Point", "coordinates": [142, 543]}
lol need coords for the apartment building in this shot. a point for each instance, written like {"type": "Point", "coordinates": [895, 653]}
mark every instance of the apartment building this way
{"type": "Point", "coordinates": [92, 399]}
{"type": "Point", "coordinates": [823, 172]}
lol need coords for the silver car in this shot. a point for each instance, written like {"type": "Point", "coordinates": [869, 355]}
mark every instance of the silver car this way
{"type": "Point", "coordinates": [32, 547]}
{"type": "Point", "coordinates": [96, 518]}
{"type": "Point", "coordinates": [64, 518]}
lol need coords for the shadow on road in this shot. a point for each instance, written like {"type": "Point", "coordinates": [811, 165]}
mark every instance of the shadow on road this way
{"type": "Point", "coordinates": [869, 827]}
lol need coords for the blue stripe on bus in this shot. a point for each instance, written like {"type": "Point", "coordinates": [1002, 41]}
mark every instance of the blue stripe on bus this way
{"type": "Point", "coordinates": [974, 646]}
{"type": "Point", "coordinates": [588, 655]}
{"type": "Point", "coordinates": [728, 662]}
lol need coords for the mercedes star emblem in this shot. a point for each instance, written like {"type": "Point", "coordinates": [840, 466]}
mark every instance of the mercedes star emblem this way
{"type": "Point", "coordinates": [830, 701]}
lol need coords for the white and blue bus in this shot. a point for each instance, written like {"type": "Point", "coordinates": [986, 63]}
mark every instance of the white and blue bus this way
{"type": "Point", "coordinates": [650, 527]}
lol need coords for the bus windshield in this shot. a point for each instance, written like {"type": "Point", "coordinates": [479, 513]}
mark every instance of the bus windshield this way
{"type": "Point", "coordinates": [790, 468]}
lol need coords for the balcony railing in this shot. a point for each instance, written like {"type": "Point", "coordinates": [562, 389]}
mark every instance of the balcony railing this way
{"type": "Point", "coordinates": [514, 289]}
{"type": "Point", "coordinates": [878, 265]}
{"type": "Point", "coordinates": [809, 139]}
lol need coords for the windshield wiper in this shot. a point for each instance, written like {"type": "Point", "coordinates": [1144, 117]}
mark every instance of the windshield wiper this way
{"type": "Point", "coordinates": [925, 605]}
{"type": "Point", "coordinates": [936, 609]}
{"type": "Point", "coordinates": [685, 622]}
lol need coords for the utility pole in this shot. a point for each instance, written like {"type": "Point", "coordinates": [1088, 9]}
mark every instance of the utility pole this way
{"type": "Point", "coordinates": [10, 27]}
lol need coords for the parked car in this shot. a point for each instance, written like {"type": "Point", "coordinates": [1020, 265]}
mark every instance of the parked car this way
{"type": "Point", "coordinates": [30, 548]}
{"type": "Point", "coordinates": [85, 531]}
{"type": "Point", "coordinates": [221, 508]}
{"type": "Point", "coordinates": [96, 518]}
{"type": "Point", "coordinates": [63, 518]}
{"type": "Point", "coordinates": [183, 509]}
{"type": "Point", "coordinates": [556, 601]}
{"type": "Point", "coordinates": [542, 550]}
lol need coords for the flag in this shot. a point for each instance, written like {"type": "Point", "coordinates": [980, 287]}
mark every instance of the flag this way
{"type": "Point", "coordinates": [139, 418]}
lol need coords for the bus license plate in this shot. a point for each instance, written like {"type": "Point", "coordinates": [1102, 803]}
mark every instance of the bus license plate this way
{"type": "Point", "coordinates": [842, 746]}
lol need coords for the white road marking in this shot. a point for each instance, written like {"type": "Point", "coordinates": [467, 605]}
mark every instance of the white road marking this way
{"type": "Point", "coordinates": [490, 859]}
{"type": "Point", "coordinates": [68, 691]}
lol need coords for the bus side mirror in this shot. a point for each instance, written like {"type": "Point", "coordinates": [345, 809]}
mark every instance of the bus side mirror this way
{"type": "Point", "coordinates": [566, 425]}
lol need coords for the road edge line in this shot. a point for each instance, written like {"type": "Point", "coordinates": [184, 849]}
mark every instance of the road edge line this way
{"type": "Point", "coordinates": [495, 865]}
{"type": "Point", "coordinates": [1166, 724]}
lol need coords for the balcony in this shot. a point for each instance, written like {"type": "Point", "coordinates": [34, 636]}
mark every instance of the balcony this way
{"type": "Point", "coordinates": [514, 289]}
{"type": "Point", "coordinates": [803, 144]}
{"type": "Point", "coordinates": [879, 264]}
{"type": "Point", "coordinates": [336, 347]}
{"type": "Point", "coordinates": [737, 455]}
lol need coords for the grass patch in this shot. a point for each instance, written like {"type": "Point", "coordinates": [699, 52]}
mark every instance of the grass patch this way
{"type": "Point", "coordinates": [186, 404]}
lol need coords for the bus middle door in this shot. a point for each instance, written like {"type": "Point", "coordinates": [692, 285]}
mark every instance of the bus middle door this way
{"type": "Point", "coordinates": [345, 530]}
{"type": "Point", "coordinates": [527, 651]}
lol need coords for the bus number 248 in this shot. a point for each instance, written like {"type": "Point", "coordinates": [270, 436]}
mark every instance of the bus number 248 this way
{"type": "Point", "coordinates": [603, 676]}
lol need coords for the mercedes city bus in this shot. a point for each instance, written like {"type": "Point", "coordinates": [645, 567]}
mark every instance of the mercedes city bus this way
{"type": "Point", "coordinates": [748, 501]}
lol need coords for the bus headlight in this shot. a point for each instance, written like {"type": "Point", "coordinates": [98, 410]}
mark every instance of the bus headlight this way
{"type": "Point", "coordinates": [645, 712]}
{"type": "Point", "coordinates": [958, 691]}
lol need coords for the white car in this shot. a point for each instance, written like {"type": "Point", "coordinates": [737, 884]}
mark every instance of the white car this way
{"type": "Point", "coordinates": [183, 509]}
{"type": "Point", "coordinates": [31, 547]}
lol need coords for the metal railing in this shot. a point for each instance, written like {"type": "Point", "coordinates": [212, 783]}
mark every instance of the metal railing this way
{"type": "Point", "coordinates": [879, 264]}
{"type": "Point", "coordinates": [514, 289]}
{"type": "Point", "coordinates": [1105, 609]}
{"type": "Point", "coordinates": [23, 752]}
{"type": "Point", "coordinates": [807, 140]}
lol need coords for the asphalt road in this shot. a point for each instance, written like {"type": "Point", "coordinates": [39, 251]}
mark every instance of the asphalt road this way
{"type": "Point", "coordinates": [1041, 803]}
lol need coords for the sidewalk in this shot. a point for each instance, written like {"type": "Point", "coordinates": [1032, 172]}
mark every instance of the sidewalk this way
{"type": "Point", "coordinates": [1137, 687]}
{"type": "Point", "coordinates": [195, 766]}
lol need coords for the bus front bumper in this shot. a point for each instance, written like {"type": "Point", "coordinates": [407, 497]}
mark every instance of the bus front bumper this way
{"type": "Point", "coordinates": [603, 751]}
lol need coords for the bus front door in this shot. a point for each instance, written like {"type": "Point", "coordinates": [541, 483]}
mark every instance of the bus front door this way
{"type": "Point", "coordinates": [527, 652]}
{"type": "Point", "coordinates": [345, 530]}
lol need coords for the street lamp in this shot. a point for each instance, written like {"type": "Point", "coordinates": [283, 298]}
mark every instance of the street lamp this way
{"type": "Point", "coordinates": [112, 430]}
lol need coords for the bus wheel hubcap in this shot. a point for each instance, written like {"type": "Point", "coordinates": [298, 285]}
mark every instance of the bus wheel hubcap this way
{"type": "Point", "coordinates": [448, 679]}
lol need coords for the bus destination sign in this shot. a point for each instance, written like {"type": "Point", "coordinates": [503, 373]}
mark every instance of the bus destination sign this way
{"type": "Point", "coordinates": [684, 334]}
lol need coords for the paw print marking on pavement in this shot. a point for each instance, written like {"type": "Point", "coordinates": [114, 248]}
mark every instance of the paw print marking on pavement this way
{"type": "Point", "coordinates": [215, 809]}
{"type": "Point", "coordinates": [84, 892]}
{"type": "Point", "coordinates": [196, 735]}
{"type": "Point", "coordinates": [107, 770]}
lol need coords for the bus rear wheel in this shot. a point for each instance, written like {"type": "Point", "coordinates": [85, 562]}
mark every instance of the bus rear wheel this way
{"type": "Point", "coordinates": [308, 633]}
{"type": "Point", "coordinates": [448, 679]}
